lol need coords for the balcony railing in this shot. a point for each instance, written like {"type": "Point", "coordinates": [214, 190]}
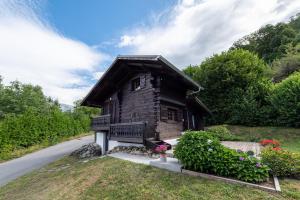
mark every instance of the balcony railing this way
{"type": "Point", "coordinates": [101, 122]}
{"type": "Point", "coordinates": [128, 132]}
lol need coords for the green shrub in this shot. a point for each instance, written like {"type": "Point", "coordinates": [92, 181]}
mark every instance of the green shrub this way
{"type": "Point", "coordinates": [286, 101]}
{"type": "Point", "coordinates": [281, 162]}
{"type": "Point", "coordinates": [222, 133]}
{"type": "Point", "coordinates": [201, 151]}
{"type": "Point", "coordinates": [250, 153]}
{"type": "Point", "coordinates": [31, 128]}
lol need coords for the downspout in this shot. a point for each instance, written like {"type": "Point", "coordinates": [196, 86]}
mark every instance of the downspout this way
{"type": "Point", "coordinates": [187, 112]}
{"type": "Point", "coordinates": [187, 117]}
{"type": "Point", "coordinates": [195, 92]}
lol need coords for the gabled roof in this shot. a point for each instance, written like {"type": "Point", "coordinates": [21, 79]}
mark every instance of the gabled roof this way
{"type": "Point", "coordinates": [122, 66]}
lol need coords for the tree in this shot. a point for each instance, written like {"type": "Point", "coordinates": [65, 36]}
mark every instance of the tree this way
{"type": "Point", "coordinates": [269, 42]}
{"type": "Point", "coordinates": [16, 98]}
{"type": "Point", "coordinates": [295, 22]}
{"type": "Point", "coordinates": [272, 41]}
{"type": "Point", "coordinates": [89, 111]}
{"type": "Point", "coordinates": [225, 79]}
{"type": "Point", "coordinates": [287, 65]}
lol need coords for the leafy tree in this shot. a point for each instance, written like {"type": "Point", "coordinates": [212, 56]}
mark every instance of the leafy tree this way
{"type": "Point", "coordinates": [226, 77]}
{"type": "Point", "coordinates": [295, 22]}
{"type": "Point", "coordinates": [269, 42]}
{"type": "Point", "coordinates": [272, 41]}
{"type": "Point", "coordinates": [17, 98]}
{"type": "Point", "coordinates": [287, 65]}
{"type": "Point", "coordinates": [89, 111]}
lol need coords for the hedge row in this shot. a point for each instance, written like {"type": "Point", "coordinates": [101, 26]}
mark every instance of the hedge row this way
{"type": "Point", "coordinates": [238, 89]}
{"type": "Point", "coordinates": [32, 127]}
{"type": "Point", "coordinates": [201, 151]}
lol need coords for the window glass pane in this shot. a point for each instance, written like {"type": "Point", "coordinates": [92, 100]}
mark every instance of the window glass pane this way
{"type": "Point", "coordinates": [135, 84]}
{"type": "Point", "coordinates": [172, 114]}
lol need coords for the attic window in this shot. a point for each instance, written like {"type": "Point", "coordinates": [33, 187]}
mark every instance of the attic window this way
{"type": "Point", "coordinates": [135, 84]}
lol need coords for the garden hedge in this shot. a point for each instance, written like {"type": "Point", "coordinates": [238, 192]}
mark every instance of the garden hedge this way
{"type": "Point", "coordinates": [201, 151]}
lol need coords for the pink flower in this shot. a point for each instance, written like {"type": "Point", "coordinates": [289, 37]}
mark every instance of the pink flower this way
{"type": "Point", "coordinates": [161, 149]}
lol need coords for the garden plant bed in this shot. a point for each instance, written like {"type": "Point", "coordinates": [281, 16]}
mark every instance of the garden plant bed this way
{"type": "Point", "coordinates": [134, 150]}
{"type": "Point", "coordinates": [272, 185]}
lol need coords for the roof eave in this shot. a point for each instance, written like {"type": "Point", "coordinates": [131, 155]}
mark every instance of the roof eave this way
{"type": "Point", "coordinates": [196, 85]}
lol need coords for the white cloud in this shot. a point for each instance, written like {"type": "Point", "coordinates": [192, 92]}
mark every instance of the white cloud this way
{"type": "Point", "coordinates": [31, 51]}
{"type": "Point", "coordinates": [97, 75]}
{"type": "Point", "coordinates": [126, 41]}
{"type": "Point", "coordinates": [194, 29]}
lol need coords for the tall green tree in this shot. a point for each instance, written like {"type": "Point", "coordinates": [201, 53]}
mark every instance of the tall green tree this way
{"type": "Point", "coordinates": [272, 41]}
{"type": "Point", "coordinates": [16, 98]}
{"type": "Point", "coordinates": [226, 78]}
{"type": "Point", "coordinates": [287, 65]}
{"type": "Point", "coordinates": [269, 42]}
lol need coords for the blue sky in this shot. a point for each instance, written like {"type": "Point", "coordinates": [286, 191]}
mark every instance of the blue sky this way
{"type": "Point", "coordinates": [95, 22]}
{"type": "Point", "coordinates": [66, 45]}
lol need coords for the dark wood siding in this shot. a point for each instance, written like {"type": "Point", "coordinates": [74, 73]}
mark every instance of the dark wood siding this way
{"type": "Point", "coordinates": [137, 105]}
{"type": "Point", "coordinates": [172, 97]}
{"type": "Point", "coordinates": [150, 104]}
{"type": "Point", "coordinates": [167, 127]}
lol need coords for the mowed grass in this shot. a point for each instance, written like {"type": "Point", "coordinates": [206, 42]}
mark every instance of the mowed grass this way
{"type": "Point", "coordinates": [289, 138]}
{"type": "Point", "coordinates": [110, 178]}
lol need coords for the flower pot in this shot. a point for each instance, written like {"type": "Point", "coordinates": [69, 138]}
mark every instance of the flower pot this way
{"type": "Point", "coordinates": [163, 157]}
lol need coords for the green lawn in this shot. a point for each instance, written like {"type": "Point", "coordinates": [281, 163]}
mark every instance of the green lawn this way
{"type": "Point", "coordinates": [110, 178]}
{"type": "Point", "coordinates": [288, 137]}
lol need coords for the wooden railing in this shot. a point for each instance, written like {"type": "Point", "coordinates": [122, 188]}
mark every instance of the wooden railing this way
{"type": "Point", "coordinates": [101, 122]}
{"type": "Point", "coordinates": [128, 132]}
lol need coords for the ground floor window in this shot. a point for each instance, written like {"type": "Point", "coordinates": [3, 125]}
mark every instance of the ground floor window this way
{"type": "Point", "coordinates": [172, 114]}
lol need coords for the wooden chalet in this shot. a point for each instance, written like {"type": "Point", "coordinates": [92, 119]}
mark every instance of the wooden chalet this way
{"type": "Point", "coordinates": [144, 99]}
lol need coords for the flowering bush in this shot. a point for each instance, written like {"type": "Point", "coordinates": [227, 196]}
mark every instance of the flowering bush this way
{"type": "Point", "coordinates": [276, 148]}
{"type": "Point", "coordinates": [281, 162]}
{"type": "Point", "coordinates": [161, 149]}
{"type": "Point", "coordinates": [201, 151]}
{"type": "Point", "coordinates": [273, 143]}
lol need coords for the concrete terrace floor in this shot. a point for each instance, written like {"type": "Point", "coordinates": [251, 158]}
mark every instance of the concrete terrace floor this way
{"type": "Point", "coordinates": [236, 145]}
{"type": "Point", "coordinates": [244, 146]}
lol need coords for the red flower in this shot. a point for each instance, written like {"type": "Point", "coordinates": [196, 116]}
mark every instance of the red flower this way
{"type": "Point", "coordinates": [274, 143]}
{"type": "Point", "coordinates": [277, 149]}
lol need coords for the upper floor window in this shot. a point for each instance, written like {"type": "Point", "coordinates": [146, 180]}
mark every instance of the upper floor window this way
{"type": "Point", "coordinates": [135, 84]}
{"type": "Point", "coordinates": [172, 114]}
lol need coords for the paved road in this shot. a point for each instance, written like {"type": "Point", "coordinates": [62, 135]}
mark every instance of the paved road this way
{"type": "Point", "coordinates": [13, 169]}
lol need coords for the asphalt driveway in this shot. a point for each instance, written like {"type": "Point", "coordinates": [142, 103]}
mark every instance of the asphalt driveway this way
{"type": "Point", "coordinates": [13, 169]}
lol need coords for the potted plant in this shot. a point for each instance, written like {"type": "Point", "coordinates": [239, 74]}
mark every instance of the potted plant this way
{"type": "Point", "coordinates": [161, 149]}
